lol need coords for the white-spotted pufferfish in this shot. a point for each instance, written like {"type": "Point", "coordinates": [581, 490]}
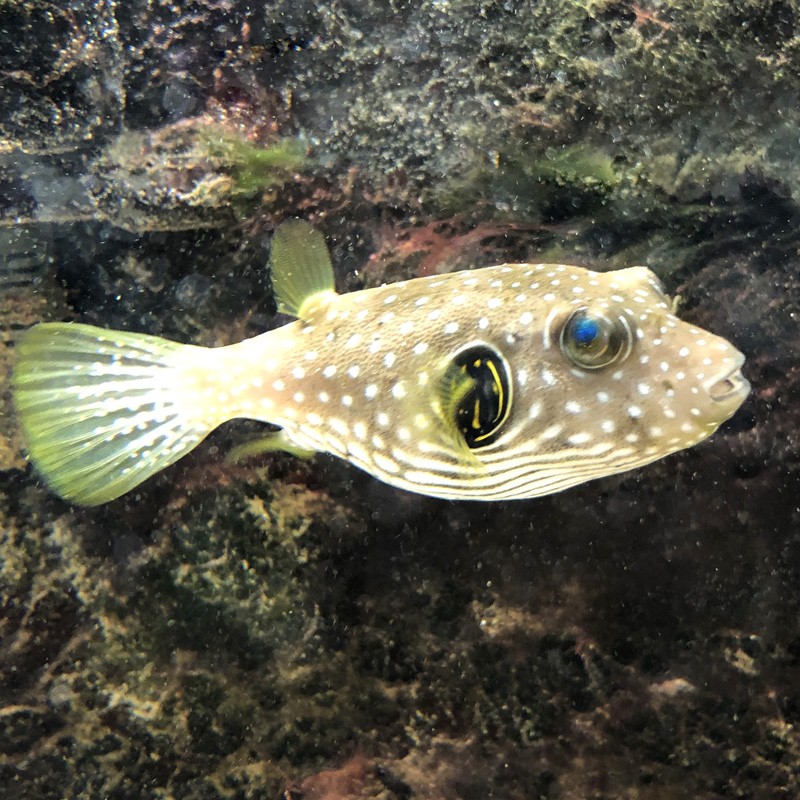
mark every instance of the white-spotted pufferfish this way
{"type": "Point", "coordinates": [498, 383]}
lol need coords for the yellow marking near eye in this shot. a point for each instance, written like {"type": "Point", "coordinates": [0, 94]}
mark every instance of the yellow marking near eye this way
{"type": "Point", "coordinates": [498, 385]}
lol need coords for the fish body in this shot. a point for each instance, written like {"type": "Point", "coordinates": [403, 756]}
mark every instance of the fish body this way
{"type": "Point", "coordinates": [505, 382]}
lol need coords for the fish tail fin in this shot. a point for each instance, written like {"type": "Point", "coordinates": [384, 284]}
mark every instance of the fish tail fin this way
{"type": "Point", "coordinates": [101, 410]}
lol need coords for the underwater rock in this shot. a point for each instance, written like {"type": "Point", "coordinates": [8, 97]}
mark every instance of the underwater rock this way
{"type": "Point", "coordinates": [62, 74]}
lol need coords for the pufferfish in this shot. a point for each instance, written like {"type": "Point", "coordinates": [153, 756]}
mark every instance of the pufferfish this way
{"type": "Point", "coordinates": [497, 383]}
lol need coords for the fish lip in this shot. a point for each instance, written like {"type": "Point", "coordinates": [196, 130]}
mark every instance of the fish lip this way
{"type": "Point", "coordinates": [730, 384]}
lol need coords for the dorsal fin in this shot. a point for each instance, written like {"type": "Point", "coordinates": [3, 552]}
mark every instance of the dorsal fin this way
{"type": "Point", "coordinates": [301, 266]}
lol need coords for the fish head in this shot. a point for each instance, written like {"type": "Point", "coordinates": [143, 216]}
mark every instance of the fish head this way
{"type": "Point", "coordinates": [691, 371]}
{"type": "Point", "coordinates": [609, 379]}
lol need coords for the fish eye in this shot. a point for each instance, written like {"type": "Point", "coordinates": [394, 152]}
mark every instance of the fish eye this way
{"type": "Point", "coordinates": [484, 408]}
{"type": "Point", "coordinates": [592, 340]}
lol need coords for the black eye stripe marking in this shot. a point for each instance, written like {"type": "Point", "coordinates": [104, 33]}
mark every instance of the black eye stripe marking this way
{"type": "Point", "coordinates": [484, 408]}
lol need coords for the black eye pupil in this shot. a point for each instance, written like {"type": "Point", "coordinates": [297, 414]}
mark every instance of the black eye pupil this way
{"type": "Point", "coordinates": [484, 408]}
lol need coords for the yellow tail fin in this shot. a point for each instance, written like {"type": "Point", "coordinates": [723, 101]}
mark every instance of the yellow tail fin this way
{"type": "Point", "coordinates": [102, 410]}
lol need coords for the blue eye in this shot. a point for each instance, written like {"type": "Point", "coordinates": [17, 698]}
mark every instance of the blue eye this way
{"type": "Point", "coordinates": [594, 340]}
{"type": "Point", "coordinates": [585, 331]}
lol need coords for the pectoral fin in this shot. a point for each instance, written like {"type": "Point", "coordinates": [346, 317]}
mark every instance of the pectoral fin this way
{"type": "Point", "coordinates": [455, 386]}
{"type": "Point", "coordinates": [277, 441]}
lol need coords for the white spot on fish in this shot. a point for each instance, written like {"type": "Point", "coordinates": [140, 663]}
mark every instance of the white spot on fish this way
{"type": "Point", "coordinates": [385, 463]}
{"type": "Point", "coordinates": [579, 438]}
{"type": "Point", "coordinates": [358, 453]}
{"type": "Point", "coordinates": [421, 421]}
{"type": "Point", "coordinates": [552, 432]}
{"type": "Point", "coordinates": [338, 426]}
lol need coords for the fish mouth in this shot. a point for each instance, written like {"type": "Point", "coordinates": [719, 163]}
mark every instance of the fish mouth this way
{"type": "Point", "coordinates": [729, 385]}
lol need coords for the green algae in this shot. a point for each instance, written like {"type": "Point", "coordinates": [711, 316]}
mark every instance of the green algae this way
{"type": "Point", "coordinates": [255, 167]}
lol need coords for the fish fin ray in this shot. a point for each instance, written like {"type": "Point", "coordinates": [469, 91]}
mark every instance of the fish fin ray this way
{"type": "Point", "coordinates": [454, 385]}
{"type": "Point", "coordinates": [101, 411]}
{"type": "Point", "coordinates": [301, 266]}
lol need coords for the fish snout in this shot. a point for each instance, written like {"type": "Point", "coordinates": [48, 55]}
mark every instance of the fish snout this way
{"type": "Point", "coordinates": [727, 388]}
